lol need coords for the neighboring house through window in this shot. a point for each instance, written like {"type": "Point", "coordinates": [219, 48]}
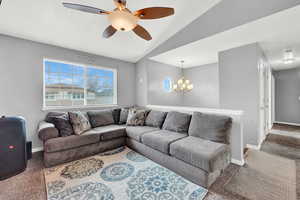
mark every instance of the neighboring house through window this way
{"type": "Point", "coordinates": [78, 85]}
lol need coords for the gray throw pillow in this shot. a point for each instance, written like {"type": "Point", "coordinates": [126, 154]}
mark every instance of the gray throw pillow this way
{"type": "Point", "coordinates": [136, 117]}
{"type": "Point", "coordinates": [210, 127]}
{"type": "Point", "coordinates": [63, 125]}
{"type": "Point", "coordinates": [178, 122]}
{"type": "Point", "coordinates": [123, 115]}
{"type": "Point", "coordinates": [50, 115]}
{"type": "Point", "coordinates": [80, 122]}
{"type": "Point", "coordinates": [101, 118]}
{"type": "Point", "coordinates": [156, 118]}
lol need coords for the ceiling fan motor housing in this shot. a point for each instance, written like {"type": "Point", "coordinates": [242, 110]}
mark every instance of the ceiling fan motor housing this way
{"type": "Point", "coordinates": [123, 20]}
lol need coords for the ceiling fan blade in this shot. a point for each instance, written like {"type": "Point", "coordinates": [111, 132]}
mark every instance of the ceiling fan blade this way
{"type": "Point", "coordinates": [154, 12]}
{"type": "Point", "coordinates": [143, 33]}
{"type": "Point", "coordinates": [85, 8]}
{"type": "Point", "coordinates": [109, 31]}
{"type": "Point", "coordinates": [121, 4]}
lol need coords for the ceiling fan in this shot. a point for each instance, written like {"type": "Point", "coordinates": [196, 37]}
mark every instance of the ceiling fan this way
{"type": "Point", "coordinates": [122, 19]}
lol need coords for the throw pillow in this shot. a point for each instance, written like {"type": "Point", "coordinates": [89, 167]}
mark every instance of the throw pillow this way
{"type": "Point", "coordinates": [156, 118]}
{"type": "Point", "coordinates": [79, 122]}
{"type": "Point", "coordinates": [136, 117]}
{"type": "Point", "coordinates": [50, 115]}
{"type": "Point", "coordinates": [123, 115]}
{"type": "Point", "coordinates": [116, 115]}
{"type": "Point", "coordinates": [101, 118]}
{"type": "Point", "coordinates": [63, 125]}
{"type": "Point", "coordinates": [210, 127]}
{"type": "Point", "coordinates": [178, 122]}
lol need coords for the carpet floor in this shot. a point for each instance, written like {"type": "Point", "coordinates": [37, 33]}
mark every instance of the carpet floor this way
{"type": "Point", "coordinates": [30, 185]}
{"type": "Point", "coordinates": [118, 175]}
{"type": "Point", "coordinates": [265, 177]}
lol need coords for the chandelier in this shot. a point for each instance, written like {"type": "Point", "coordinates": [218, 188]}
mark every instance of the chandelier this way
{"type": "Point", "coordinates": [182, 85]}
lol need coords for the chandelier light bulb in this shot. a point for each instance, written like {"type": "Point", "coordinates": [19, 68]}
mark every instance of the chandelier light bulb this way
{"type": "Point", "coordinates": [183, 85]}
{"type": "Point", "coordinates": [180, 81]}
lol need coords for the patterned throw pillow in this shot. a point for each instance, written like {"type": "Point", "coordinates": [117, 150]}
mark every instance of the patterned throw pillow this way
{"type": "Point", "coordinates": [79, 122]}
{"type": "Point", "coordinates": [136, 117]}
{"type": "Point", "coordinates": [63, 125]}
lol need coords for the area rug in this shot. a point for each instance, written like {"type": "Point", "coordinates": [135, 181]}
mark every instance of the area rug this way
{"type": "Point", "coordinates": [118, 175]}
{"type": "Point", "coordinates": [265, 177]}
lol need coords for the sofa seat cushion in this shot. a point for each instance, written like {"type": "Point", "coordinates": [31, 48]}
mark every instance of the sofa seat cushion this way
{"type": "Point", "coordinates": [136, 132]}
{"type": "Point", "coordinates": [108, 132]}
{"type": "Point", "coordinates": [204, 154]}
{"type": "Point", "coordinates": [161, 140]}
{"type": "Point", "coordinates": [70, 142]}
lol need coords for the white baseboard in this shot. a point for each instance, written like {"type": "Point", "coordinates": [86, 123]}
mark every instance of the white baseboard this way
{"type": "Point", "coordinates": [287, 123]}
{"type": "Point", "coordinates": [237, 162]}
{"type": "Point", "coordinates": [37, 149]}
{"type": "Point", "coordinates": [255, 147]}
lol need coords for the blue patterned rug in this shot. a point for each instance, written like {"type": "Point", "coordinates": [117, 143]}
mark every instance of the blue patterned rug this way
{"type": "Point", "coordinates": [118, 175]}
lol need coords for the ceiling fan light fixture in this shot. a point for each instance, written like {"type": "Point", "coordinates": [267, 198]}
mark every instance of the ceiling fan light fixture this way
{"type": "Point", "coordinates": [123, 20]}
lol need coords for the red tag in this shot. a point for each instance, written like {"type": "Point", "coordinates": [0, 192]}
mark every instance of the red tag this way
{"type": "Point", "coordinates": [11, 147]}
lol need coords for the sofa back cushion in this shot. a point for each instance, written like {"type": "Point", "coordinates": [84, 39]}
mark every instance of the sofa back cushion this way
{"type": "Point", "coordinates": [156, 118]}
{"type": "Point", "coordinates": [178, 122]}
{"type": "Point", "coordinates": [101, 118]}
{"type": "Point", "coordinates": [210, 127]}
{"type": "Point", "coordinates": [80, 122]}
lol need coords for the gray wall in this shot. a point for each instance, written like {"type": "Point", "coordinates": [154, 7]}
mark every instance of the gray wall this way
{"type": "Point", "coordinates": [239, 86]}
{"type": "Point", "coordinates": [21, 78]}
{"type": "Point", "coordinates": [287, 93]}
{"type": "Point", "coordinates": [142, 82]}
{"type": "Point", "coordinates": [150, 76]}
{"type": "Point", "coordinates": [224, 16]}
{"type": "Point", "coordinates": [206, 86]}
{"type": "Point", "coordinates": [157, 72]}
{"type": "Point", "coordinates": [149, 85]}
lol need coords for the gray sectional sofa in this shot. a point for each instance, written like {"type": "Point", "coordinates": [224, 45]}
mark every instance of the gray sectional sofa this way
{"type": "Point", "coordinates": [194, 146]}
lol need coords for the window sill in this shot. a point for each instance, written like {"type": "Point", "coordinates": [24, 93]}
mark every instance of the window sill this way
{"type": "Point", "coordinates": [79, 107]}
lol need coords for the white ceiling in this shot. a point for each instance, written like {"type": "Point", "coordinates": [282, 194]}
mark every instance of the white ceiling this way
{"type": "Point", "coordinates": [275, 33]}
{"type": "Point", "coordinates": [47, 21]}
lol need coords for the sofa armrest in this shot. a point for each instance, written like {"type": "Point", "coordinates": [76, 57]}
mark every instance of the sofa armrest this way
{"type": "Point", "coordinates": [47, 131]}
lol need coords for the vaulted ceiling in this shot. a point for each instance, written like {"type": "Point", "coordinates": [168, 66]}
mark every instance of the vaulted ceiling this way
{"type": "Point", "coordinates": [47, 21]}
{"type": "Point", "coordinates": [275, 34]}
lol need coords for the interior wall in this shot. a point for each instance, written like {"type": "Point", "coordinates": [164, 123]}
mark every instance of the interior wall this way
{"type": "Point", "coordinates": [157, 73]}
{"type": "Point", "coordinates": [21, 78]}
{"type": "Point", "coordinates": [142, 83]}
{"type": "Point", "coordinates": [239, 86]}
{"type": "Point", "coordinates": [287, 95]}
{"type": "Point", "coordinates": [205, 79]}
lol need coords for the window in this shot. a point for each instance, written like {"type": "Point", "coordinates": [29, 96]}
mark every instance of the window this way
{"type": "Point", "coordinates": [78, 85]}
{"type": "Point", "coordinates": [167, 85]}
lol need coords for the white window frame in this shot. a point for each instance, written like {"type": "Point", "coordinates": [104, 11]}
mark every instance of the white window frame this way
{"type": "Point", "coordinates": [85, 66]}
